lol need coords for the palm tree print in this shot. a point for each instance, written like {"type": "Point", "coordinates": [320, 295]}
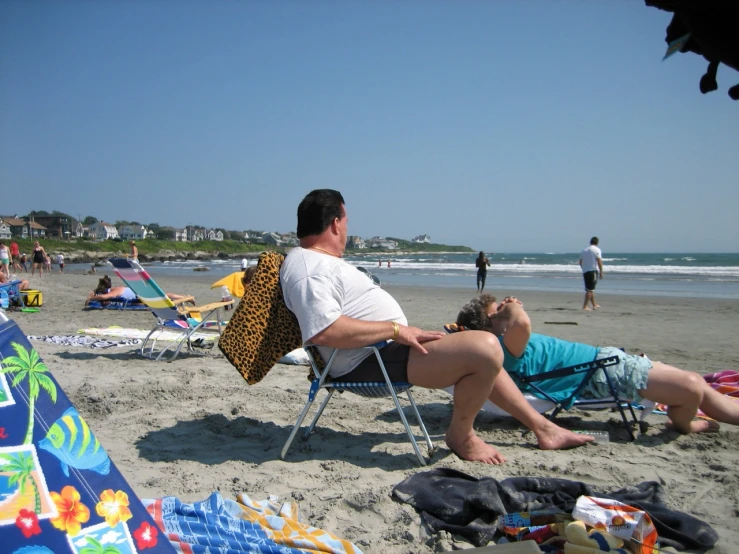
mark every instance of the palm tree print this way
{"type": "Point", "coordinates": [21, 467]}
{"type": "Point", "coordinates": [94, 546]}
{"type": "Point", "coordinates": [28, 365]}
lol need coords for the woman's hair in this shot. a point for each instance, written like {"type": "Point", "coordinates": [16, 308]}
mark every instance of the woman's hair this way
{"type": "Point", "coordinates": [133, 242]}
{"type": "Point", "coordinates": [474, 314]}
{"type": "Point", "coordinates": [104, 284]}
{"type": "Point", "coordinates": [481, 255]}
{"type": "Point", "coordinates": [248, 275]}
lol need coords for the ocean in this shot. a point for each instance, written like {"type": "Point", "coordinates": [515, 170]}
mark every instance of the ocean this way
{"type": "Point", "coordinates": [677, 275]}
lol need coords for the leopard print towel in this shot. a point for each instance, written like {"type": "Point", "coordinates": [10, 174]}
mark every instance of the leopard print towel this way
{"type": "Point", "coordinates": [261, 330]}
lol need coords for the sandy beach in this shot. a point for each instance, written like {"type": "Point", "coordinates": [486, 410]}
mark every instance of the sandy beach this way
{"type": "Point", "coordinates": [194, 426]}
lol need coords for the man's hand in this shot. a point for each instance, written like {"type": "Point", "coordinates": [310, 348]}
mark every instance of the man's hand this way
{"type": "Point", "coordinates": [414, 337]}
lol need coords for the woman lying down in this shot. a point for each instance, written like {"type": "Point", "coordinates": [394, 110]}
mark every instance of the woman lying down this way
{"type": "Point", "coordinates": [105, 292]}
{"type": "Point", "coordinates": [635, 377]}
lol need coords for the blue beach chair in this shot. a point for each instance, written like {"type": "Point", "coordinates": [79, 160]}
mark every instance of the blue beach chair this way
{"type": "Point", "coordinates": [170, 315]}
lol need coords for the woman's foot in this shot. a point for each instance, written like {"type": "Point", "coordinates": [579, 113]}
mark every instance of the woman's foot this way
{"type": "Point", "coordinates": [474, 449]}
{"type": "Point", "coordinates": [697, 426]}
{"type": "Point", "coordinates": [554, 437]}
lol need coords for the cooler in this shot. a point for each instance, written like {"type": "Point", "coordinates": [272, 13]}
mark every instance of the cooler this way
{"type": "Point", "coordinates": [32, 297]}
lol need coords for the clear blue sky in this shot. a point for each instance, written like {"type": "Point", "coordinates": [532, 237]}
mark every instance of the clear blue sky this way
{"type": "Point", "coordinates": [501, 125]}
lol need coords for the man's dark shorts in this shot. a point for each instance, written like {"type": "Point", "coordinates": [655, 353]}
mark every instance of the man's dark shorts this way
{"type": "Point", "coordinates": [395, 358]}
{"type": "Point", "coordinates": [591, 279]}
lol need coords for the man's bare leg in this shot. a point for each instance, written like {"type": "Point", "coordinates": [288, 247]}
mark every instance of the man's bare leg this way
{"type": "Point", "coordinates": [588, 297]}
{"type": "Point", "coordinates": [470, 361]}
{"type": "Point", "coordinates": [506, 395]}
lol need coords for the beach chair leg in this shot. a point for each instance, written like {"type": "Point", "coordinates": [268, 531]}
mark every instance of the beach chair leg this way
{"type": "Point", "coordinates": [408, 430]}
{"type": "Point", "coordinates": [420, 422]}
{"type": "Point", "coordinates": [330, 393]}
{"type": "Point", "coordinates": [311, 397]}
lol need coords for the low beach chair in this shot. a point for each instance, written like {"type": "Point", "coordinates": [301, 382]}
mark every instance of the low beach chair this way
{"type": "Point", "coordinates": [170, 315]}
{"type": "Point", "coordinates": [544, 402]}
{"type": "Point", "coordinates": [370, 389]}
{"type": "Point", "coordinates": [262, 330]}
{"type": "Point", "coordinates": [13, 291]}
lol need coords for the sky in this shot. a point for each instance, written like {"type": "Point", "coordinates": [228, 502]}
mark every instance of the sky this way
{"type": "Point", "coordinates": [506, 126]}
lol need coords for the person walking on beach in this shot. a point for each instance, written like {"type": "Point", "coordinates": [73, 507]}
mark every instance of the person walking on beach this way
{"type": "Point", "coordinates": [244, 264]}
{"type": "Point", "coordinates": [134, 251]}
{"type": "Point", "coordinates": [635, 377]}
{"type": "Point", "coordinates": [338, 307]}
{"type": "Point", "coordinates": [482, 264]}
{"type": "Point", "coordinates": [39, 259]}
{"type": "Point", "coordinates": [4, 259]}
{"type": "Point", "coordinates": [15, 256]}
{"type": "Point", "coordinates": [60, 262]}
{"type": "Point", "coordinates": [591, 263]}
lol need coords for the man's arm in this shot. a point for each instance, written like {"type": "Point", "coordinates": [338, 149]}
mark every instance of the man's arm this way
{"type": "Point", "coordinates": [347, 332]}
{"type": "Point", "coordinates": [600, 268]}
{"type": "Point", "coordinates": [514, 324]}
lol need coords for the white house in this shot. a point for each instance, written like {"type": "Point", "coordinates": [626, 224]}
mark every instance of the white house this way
{"type": "Point", "coordinates": [380, 242]}
{"type": "Point", "coordinates": [180, 235]}
{"type": "Point", "coordinates": [4, 230]}
{"type": "Point", "coordinates": [422, 238]}
{"type": "Point", "coordinates": [214, 235]}
{"type": "Point", "coordinates": [102, 231]}
{"type": "Point", "coordinates": [133, 232]}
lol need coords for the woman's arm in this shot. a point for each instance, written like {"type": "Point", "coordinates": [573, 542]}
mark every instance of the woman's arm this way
{"type": "Point", "coordinates": [512, 321]}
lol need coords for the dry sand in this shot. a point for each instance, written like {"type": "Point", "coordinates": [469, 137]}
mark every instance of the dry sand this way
{"type": "Point", "coordinates": [194, 426]}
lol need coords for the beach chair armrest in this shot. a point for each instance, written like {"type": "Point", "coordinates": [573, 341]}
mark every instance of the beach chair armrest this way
{"type": "Point", "coordinates": [207, 307]}
{"type": "Point", "coordinates": [183, 300]}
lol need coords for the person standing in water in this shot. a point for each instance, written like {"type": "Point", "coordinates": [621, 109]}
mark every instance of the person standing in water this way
{"type": "Point", "coordinates": [482, 264]}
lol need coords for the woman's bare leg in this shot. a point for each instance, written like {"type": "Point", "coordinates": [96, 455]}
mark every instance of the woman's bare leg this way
{"type": "Point", "coordinates": [682, 392]}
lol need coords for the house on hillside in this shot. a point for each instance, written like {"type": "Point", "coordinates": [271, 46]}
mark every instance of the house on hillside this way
{"type": "Point", "coordinates": [195, 234]}
{"type": "Point", "coordinates": [214, 235]}
{"type": "Point", "coordinates": [57, 226]}
{"type": "Point", "coordinates": [422, 238]}
{"type": "Point", "coordinates": [18, 227]}
{"type": "Point", "coordinates": [4, 230]}
{"type": "Point", "coordinates": [180, 235]}
{"type": "Point", "coordinates": [355, 242]}
{"type": "Point", "coordinates": [273, 239]}
{"type": "Point", "coordinates": [80, 231]}
{"type": "Point", "coordinates": [36, 230]}
{"type": "Point", "coordinates": [381, 242]}
{"type": "Point", "coordinates": [102, 231]}
{"type": "Point", "coordinates": [133, 232]}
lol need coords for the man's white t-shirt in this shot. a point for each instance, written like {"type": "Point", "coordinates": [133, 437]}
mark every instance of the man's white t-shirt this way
{"type": "Point", "coordinates": [319, 288]}
{"type": "Point", "coordinates": [590, 257]}
{"type": "Point", "coordinates": [244, 263]}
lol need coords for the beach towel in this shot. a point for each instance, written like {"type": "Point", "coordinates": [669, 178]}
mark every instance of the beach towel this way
{"type": "Point", "coordinates": [221, 525]}
{"type": "Point", "coordinates": [60, 492]}
{"type": "Point", "coordinates": [726, 382]}
{"type": "Point", "coordinates": [453, 501]}
{"type": "Point", "coordinates": [116, 305]}
{"type": "Point", "coordinates": [91, 342]}
{"type": "Point", "coordinates": [122, 332]}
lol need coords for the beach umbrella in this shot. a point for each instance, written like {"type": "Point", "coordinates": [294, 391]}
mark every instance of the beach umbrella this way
{"type": "Point", "coordinates": [233, 282]}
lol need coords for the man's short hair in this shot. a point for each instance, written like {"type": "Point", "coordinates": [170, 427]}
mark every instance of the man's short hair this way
{"type": "Point", "coordinates": [474, 314]}
{"type": "Point", "coordinates": [318, 210]}
{"type": "Point", "coordinates": [594, 241]}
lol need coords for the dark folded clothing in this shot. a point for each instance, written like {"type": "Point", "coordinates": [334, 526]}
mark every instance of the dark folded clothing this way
{"type": "Point", "coordinates": [453, 501]}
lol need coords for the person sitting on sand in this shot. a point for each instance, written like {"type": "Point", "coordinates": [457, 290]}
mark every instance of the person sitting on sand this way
{"type": "Point", "coordinates": [105, 292]}
{"type": "Point", "coordinates": [635, 377]}
{"type": "Point", "coordinates": [338, 307]}
{"type": "Point", "coordinates": [22, 286]}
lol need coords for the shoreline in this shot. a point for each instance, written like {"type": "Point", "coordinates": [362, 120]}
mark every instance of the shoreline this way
{"type": "Point", "coordinates": [194, 426]}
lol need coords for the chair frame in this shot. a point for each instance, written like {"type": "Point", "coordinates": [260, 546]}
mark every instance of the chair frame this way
{"type": "Point", "coordinates": [13, 288]}
{"type": "Point", "coordinates": [588, 369]}
{"type": "Point", "coordinates": [181, 324]}
{"type": "Point", "coordinates": [373, 389]}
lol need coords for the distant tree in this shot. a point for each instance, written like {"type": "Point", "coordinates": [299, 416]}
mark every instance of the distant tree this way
{"type": "Point", "coordinates": [234, 235]}
{"type": "Point", "coordinates": [61, 214]}
{"type": "Point", "coordinates": [122, 222]}
{"type": "Point", "coordinates": [37, 212]}
{"type": "Point", "coordinates": [165, 234]}
{"type": "Point", "coordinates": [154, 228]}
{"type": "Point", "coordinates": [89, 220]}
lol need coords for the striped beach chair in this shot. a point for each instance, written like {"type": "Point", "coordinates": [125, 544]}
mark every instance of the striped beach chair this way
{"type": "Point", "coordinates": [170, 315]}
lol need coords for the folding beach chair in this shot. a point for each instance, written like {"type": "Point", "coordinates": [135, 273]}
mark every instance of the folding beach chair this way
{"type": "Point", "coordinates": [12, 290]}
{"type": "Point", "coordinates": [262, 330]}
{"type": "Point", "coordinates": [170, 316]}
{"type": "Point", "coordinates": [544, 402]}
{"type": "Point", "coordinates": [60, 490]}
{"type": "Point", "coordinates": [371, 389]}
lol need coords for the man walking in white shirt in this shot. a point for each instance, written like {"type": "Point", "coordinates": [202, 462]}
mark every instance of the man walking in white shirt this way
{"type": "Point", "coordinates": [591, 263]}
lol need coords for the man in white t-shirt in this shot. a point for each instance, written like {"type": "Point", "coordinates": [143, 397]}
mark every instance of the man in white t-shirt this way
{"type": "Point", "coordinates": [338, 307]}
{"type": "Point", "coordinates": [591, 262]}
{"type": "Point", "coordinates": [244, 264]}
